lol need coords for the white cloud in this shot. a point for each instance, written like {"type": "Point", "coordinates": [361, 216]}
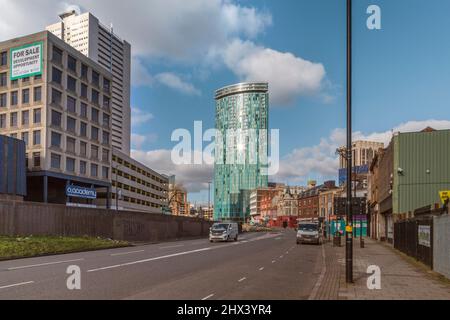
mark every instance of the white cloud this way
{"type": "Point", "coordinates": [288, 76]}
{"type": "Point", "coordinates": [140, 117]}
{"type": "Point", "coordinates": [194, 177]}
{"type": "Point", "coordinates": [320, 161]}
{"type": "Point", "coordinates": [138, 140]}
{"type": "Point", "coordinates": [173, 81]}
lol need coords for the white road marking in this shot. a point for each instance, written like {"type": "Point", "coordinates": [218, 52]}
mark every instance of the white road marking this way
{"type": "Point", "coordinates": [261, 269]}
{"type": "Point", "coordinates": [243, 279]}
{"type": "Point", "coordinates": [273, 261]}
{"type": "Point", "coordinates": [281, 257]}
{"type": "Point", "coordinates": [320, 279]}
{"type": "Point", "coordinates": [170, 247]}
{"type": "Point", "coordinates": [43, 264]}
{"type": "Point", "coordinates": [148, 260]}
{"type": "Point", "coordinates": [16, 285]}
{"type": "Point", "coordinates": [125, 253]}
{"type": "Point", "coordinates": [279, 238]}
{"type": "Point", "coordinates": [208, 297]}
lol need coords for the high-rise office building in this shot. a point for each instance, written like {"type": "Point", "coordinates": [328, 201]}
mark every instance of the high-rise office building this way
{"type": "Point", "coordinates": [242, 119]}
{"type": "Point", "coordinates": [85, 33]}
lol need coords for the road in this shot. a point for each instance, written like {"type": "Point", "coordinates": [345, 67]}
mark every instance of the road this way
{"type": "Point", "coordinates": [259, 266]}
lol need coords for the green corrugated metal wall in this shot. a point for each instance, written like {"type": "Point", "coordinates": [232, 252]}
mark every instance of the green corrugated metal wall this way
{"type": "Point", "coordinates": [416, 153]}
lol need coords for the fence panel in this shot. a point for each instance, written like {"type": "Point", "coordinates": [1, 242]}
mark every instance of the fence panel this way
{"type": "Point", "coordinates": [441, 245]}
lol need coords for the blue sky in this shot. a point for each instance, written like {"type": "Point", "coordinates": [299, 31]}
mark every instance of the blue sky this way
{"type": "Point", "coordinates": [184, 50]}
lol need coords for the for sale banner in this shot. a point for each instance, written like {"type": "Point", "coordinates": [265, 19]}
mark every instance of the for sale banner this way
{"type": "Point", "coordinates": [26, 61]}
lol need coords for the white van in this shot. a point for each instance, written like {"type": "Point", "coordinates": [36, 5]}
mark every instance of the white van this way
{"type": "Point", "coordinates": [224, 231]}
{"type": "Point", "coordinates": [309, 232]}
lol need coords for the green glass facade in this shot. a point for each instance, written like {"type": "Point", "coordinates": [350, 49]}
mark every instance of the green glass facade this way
{"type": "Point", "coordinates": [242, 118]}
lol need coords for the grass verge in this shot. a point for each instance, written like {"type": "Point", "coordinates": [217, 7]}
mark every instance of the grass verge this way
{"type": "Point", "coordinates": [24, 247]}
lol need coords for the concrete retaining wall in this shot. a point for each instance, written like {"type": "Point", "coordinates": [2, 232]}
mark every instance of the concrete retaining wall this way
{"type": "Point", "coordinates": [26, 218]}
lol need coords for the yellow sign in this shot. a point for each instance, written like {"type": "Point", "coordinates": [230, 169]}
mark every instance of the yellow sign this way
{"type": "Point", "coordinates": [444, 196]}
{"type": "Point", "coordinates": [349, 229]}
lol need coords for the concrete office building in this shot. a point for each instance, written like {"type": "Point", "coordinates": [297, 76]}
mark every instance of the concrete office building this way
{"type": "Point", "coordinates": [240, 109]}
{"type": "Point", "coordinates": [58, 102]}
{"type": "Point", "coordinates": [137, 187]}
{"type": "Point", "coordinates": [86, 34]}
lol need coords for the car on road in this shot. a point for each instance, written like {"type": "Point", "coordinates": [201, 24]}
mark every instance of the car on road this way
{"type": "Point", "coordinates": [309, 232]}
{"type": "Point", "coordinates": [224, 231]}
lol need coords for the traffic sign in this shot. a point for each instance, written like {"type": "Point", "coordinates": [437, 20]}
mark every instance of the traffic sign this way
{"type": "Point", "coordinates": [445, 195]}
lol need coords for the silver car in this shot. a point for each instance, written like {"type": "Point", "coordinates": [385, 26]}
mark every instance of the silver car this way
{"type": "Point", "coordinates": [224, 232]}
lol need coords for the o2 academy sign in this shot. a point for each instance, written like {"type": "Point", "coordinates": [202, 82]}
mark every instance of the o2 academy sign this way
{"type": "Point", "coordinates": [27, 61]}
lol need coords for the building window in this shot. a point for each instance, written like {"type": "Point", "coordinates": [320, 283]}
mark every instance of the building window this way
{"type": "Point", "coordinates": [83, 129]}
{"type": "Point", "coordinates": [25, 96]}
{"type": "Point", "coordinates": [3, 100]}
{"type": "Point", "coordinates": [94, 152]}
{"type": "Point", "coordinates": [71, 104]}
{"type": "Point", "coordinates": [95, 78]}
{"type": "Point", "coordinates": [94, 96]}
{"type": "Point", "coordinates": [105, 172]}
{"type": "Point", "coordinates": [26, 160]}
{"type": "Point", "coordinates": [55, 161]}
{"type": "Point", "coordinates": [3, 79]}
{"type": "Point", "coordinates": [83, 110]}
{"type": "Point", "coordinates": [3, 121]}
{"type": "Point", "coordinates": [26, 80]}
{"type": "Point", "coordinates": [13, 119]}
{"type": "Point", "coordinates": [3, 58]}
{"type": "Point", "coordinates": [56, 119]}
{"type": "Point", "coordinates": [94, 133]}
{"type": "Point", "coordinates": [105, 155]}
{"type": "Point", "coordinates": [36, 159]}
{"type": "Point", "coordinates": [72, 63]}
{"type": "Point", "coordinates": [56, 140]}
{"type": "Point", "coordinates": [70, 145]}
{"type": "Point", "coordinates": [37, 94]}
{"type": "Point", "coordinates": [56, 97]}
{"type": "Point", "coordinates": [105, 137]}
{"type": "Point", "coordinates": [94, 170]}
{"type": "Point", "coordinates": [36, 137]}
{"type": "Point", "coordinates": [14, 98]}
{"type": "Point", "coordinates": [38, 77]}
{"type": "Point", "coordinates": [105, 120]}
{"type": "Point", "coordinates": [106, 85]}
{"type": "Point", "coordinates": [70, 165]}
{"type": "Point", "coordinates": [84, 71]}
{"type": "Point", "coordinates": [84, 91]}
{"type": "Point", "coordinates": [83, 148]}
{"type": "Point", "coordinates": [37, 116]}
{"type": "Point", "coordinates": [83, 167]}
{"type": "Point", "coordinates": [106, 102]}
{"type": "Point", "coordinates": [71, 84]}
{"type": "Point", "coordinates": [25, 138]}
{"type": "Point", "coordinates": [94, 115]}
{"type": "Point", "coordinates": [56, 76]}
{"type": "Point", "coordinates": [25, 117]}
{"type": "Point", "coordinates": [57, 55]}
{"type": "Point", "coordinates": [71, 124]}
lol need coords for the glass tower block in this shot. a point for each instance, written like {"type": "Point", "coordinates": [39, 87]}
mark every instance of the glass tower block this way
{"type": "Point", "coordinates": [242, 121]}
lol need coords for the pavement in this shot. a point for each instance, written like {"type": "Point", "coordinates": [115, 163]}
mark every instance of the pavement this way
{"type": "Point", "coordinates": [400, 279]}
{"type": "Point", "coordinates": [261, 266]}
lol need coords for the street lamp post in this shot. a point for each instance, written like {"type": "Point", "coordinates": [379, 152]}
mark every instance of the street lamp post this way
{"type": "Point", "coordinates": [349, 231]}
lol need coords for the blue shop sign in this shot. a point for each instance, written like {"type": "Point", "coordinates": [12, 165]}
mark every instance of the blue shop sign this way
{"type": "Point", "coordinates": [80, 192]}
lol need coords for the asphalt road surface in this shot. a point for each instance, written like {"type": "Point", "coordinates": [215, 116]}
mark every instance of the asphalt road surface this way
{"type": "Point", "coordinates": [259, 266]}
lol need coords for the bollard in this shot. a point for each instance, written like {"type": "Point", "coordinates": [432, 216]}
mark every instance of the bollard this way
{"type": "Point", "coordinates": [361, 243]}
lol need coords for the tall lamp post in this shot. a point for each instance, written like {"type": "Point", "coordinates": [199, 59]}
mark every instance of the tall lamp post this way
{"type": "Point", "coordinates": [349, 229]}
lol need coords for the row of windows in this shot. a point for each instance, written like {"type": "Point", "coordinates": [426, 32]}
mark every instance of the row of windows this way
{"type": "Point", "coordinates": [24, 121]}
{"type": "Point", "coordinates": [137, 180]}
{"type": "Point", "coordinates": [15, 83]}
{"type": "Point", "coordinates": [127, 187]}
{"type": "Point", "coordinates": [138, 170]}
{"type": "Point", "coordinates": [70, 166]}
{"type": "Point", "coordinates": [25, 136]}
{"type": "Point", "coordinates": [25, 97]}
{"type": "Point", "coordinates": [138, 201]}
{"type": "Point", "coordinates": [71, 126]}
{"type": "Point", "coordinates": [71, 144]}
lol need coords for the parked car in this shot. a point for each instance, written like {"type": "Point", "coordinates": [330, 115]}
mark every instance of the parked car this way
{"type": "Point", "coordinates": [309, 232]}
{"type": "Point", "coordinates": [224, 231]}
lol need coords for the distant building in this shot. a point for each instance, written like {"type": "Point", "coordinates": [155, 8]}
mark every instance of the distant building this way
{"type": "Point", "coordinates": [85, 33]}
{"type": "Point", "coordinates": [407, 176]}
{"type": "Point", "coordinates": [264, 203]}
{"type": "Point", "coordinates": [177, 200]}
{"type": "Point", "coordinates": [243, 106]}
{"type": "Point", "coordinates": [308, 201]}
